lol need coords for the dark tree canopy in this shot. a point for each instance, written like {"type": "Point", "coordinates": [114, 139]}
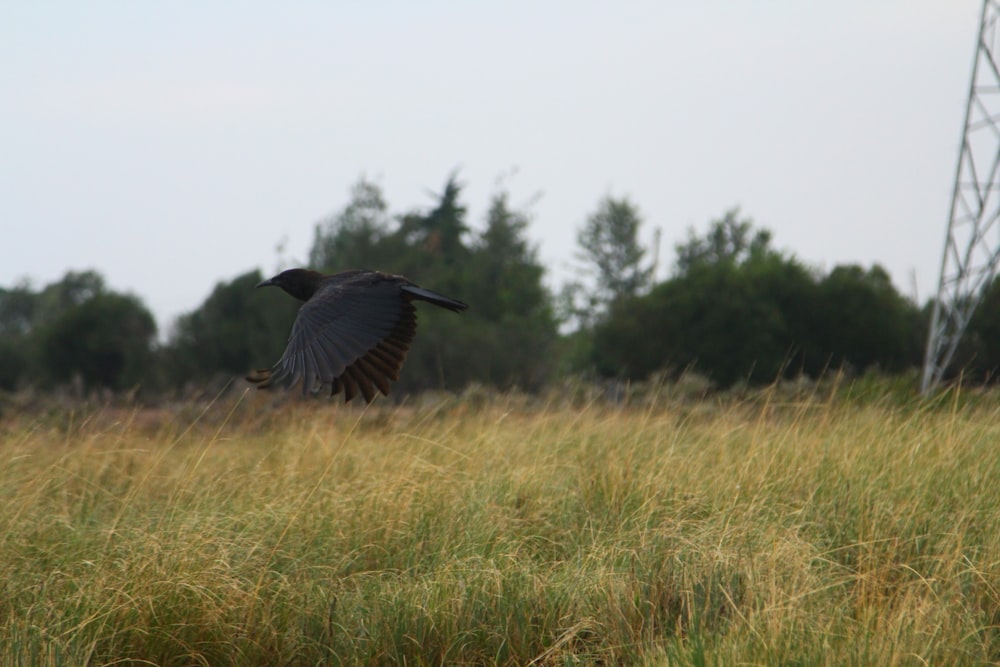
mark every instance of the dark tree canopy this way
{"type": "Point", "coordinates": [978, 354]}
{"type": "Point", "coordinates": [730, 240]}
{"type": "Point", "coordinates": [75, 329]}
{"type": "Point", "coordinates": [507, 335]}
{"type": "Point", "coordinates": [18, 306]}
{"type": "Point", "coordinates": [441, 232]}
{"type": "Point", "coordinates": [863, 322]}
{"type": "Point", "coordinates": [737, 310]}
{"type": "Point", "coordinates": [505, 339]}
{"type": "Point", "coordinates": [734, 309]}
{"type": "Point", "coordinates": [235, 329]}
{"type": "Point", "coordinates": [17, 310]}
{"type": "Point", "coordinates": [105, 340]}
{"type": "Point", "coordinates": [513, 314]}
{"type": "Point", "coordinates": [357, 237]}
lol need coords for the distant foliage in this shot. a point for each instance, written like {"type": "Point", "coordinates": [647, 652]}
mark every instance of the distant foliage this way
{"type": "Point", "coordinates": [612, 256]}
{"type": "Point", "coordinates": [864, 322]}
{"type": "Point", "coordinates": [505, 339]}
{"type": "Point", "coordinates": [236, 329]}
{"type": "Point", "coordinates": [105, 340]}
{"type": "Point", "coordinates": [507, 336]}
{"type": "Point", "coordinates": [75, 331]}
{"type": "Point", "coordinates": [17, 316]}
{"type": "Point", "coordinates": [729, 241]}
{"type": "Point", "coordinates": [359, 236]}
{"type": "Point", "coordinates": [609, 241]}
{"type": "Point", "coordinates": [738, 310]}
{"type": "Point", "coordinates": [735, 309]}
{"type": "Point", "coordinates": [978, 355]}
{"type": "Point", "coordinates": [511, 324]}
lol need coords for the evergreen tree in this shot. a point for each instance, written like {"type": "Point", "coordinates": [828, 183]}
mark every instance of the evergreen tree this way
{"type": "Point", "coordinates": [358, 236]}
{"type": "Point", "coordinates": [512, 323]}
{"type": "Point", "coordinates": [440, 234]}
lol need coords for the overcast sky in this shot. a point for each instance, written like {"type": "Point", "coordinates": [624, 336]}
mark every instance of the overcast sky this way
{"type": "Point", "coordinates": [173, 145]}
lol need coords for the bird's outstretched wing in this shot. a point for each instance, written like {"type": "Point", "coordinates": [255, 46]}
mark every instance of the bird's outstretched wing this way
{"type": "Point", "coordinates": [351, 336]}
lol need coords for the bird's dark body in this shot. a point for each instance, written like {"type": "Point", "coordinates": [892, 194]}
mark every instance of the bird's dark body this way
{"type": "Point", "coordinates": [351, 334]}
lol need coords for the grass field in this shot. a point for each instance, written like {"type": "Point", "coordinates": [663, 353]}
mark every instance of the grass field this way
{"type": "Point", "coordinates": [796, 531]}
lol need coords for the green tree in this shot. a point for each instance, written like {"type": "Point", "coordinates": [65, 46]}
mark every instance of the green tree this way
{"type": "Point", "coordinates": [73, 289]}
{"type": "Point", "coordinates": [440, 234]}
{"type": "Point", "coordinates": [729, 240]}
{"type": "Point", "coordinates": [610, 251]}
{"type": "Point", "coordinates": [977, 357]}
{"type": "Point", "coordinates": [75, 328]}
{"type": "Point", "coordinates": [738, 310]}
{"type": "Point", "coordinates": [357, 237]}
{"type": "Point", "coordinates": [863, 321]}
{"type": "Point", "coordinates": [236, 329]}
{"type": "Point", "coordinates": [506, 337]}
{"type": "Point", "coordinates": [105, 340]}
{"type": "Point", "coordinates": [14, 364]}
{"type": "Point", "coordinates": [722, 319]}
{"type": "Point", "coordinates": [18, 305]}
{"type": "Point", "coordinates": [436, 253]}
{"type": "Point", "coordinates": [508, 272]}
{"type": "Point", "coordinates": [512, 329]}
{"type": "Point", "coordinates": [757, 316]}
{"type": "Point", "coordinates": [721, 312]}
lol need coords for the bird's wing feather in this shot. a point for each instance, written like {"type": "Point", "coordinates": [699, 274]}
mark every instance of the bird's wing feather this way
{"type": "Point", "coordinates": [351, 335]}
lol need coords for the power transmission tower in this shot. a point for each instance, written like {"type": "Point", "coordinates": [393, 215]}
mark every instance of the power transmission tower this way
{"type": "Point", "coordinates": [972, 244]}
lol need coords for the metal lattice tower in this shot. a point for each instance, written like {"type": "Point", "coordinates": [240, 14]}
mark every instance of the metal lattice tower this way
{"type": "Point", "coordinates": [972, 245]}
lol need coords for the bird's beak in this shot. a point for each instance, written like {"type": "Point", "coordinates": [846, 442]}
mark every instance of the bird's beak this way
{"type": "Point", "coordinates": [265, 283]}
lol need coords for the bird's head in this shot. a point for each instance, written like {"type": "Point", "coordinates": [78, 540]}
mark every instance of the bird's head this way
{"type": "Point", "coordinates": [300, 283]}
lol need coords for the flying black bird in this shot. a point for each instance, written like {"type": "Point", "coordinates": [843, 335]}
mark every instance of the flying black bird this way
{"type": "Point", "coordinates": [351, 334]}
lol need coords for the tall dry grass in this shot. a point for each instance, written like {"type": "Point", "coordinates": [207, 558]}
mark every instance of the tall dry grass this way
{"type": "Point", "coordinates": [812, 531]}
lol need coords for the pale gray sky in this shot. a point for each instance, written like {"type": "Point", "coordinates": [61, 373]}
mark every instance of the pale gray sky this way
{"type": "Point", "coordinates": [172, 145]}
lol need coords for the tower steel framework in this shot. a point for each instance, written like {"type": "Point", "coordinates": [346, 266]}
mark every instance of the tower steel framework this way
{"type": "Point", "coordinates": [972, 243]}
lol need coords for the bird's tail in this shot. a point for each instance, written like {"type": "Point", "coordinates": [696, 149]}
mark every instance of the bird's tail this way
{"type": "Point", "coordinates": [422, 294]}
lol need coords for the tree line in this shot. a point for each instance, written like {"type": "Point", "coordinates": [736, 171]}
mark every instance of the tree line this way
{"type": "Point", "coordinates": [734, 309]}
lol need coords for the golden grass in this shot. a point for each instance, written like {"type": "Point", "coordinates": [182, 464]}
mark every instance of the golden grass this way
{"type": "Point", "coordinates": [817, 531]}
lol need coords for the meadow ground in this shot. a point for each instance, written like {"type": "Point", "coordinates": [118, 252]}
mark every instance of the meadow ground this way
{"type": "Point", "coordinates": [812, 530]}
